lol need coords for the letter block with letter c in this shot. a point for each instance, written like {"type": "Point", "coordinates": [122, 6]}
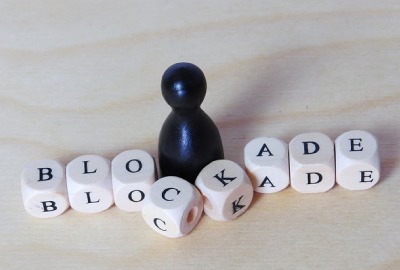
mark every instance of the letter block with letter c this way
{"type": "Point", "coordinates": [312, 163]}
{"type": "Point", "coordinates": [44, 190]}
{"type": "Point", "coordinates": [172, 207]}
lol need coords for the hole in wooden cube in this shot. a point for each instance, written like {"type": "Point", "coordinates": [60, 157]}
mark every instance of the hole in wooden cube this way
{"type": "Point", "coordinates": [133, 173]}
{"type": "Point", "coordinates": [266, 161]}
{"type": "Point", "coordinates": [227, 188]}
{"type": "Point", "coordinates": [89, 184]}
{"type": "Point", "coordinates": [312, 163]}
{"type": "Point", "coordinates": [173, 207]}
{"type": "Point", "coordinates": [44, 189]}
{"type": "Point", "coordinates": [357, 160]}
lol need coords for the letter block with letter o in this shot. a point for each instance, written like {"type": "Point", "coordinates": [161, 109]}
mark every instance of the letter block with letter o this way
{"type": "Point", "coordinates": [226, 189]}
{"type": "Point", "coordinates": [89, 184]}
{"type": "Point", "coordinates": [44, 189]}
{"type": "Point", "coordinates": [172, 207]}
{"type": "Point", "coordinates": [267, 164]}
{"type": "Point", "coordinates": [133, 173]}
{"type": "Point", "coordinates": [357, 160]}
{"type": "Point", "coordinates": [312, 163]}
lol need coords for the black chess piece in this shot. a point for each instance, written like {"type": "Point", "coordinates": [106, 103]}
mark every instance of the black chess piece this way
{"type": "Point", "coordinates": [189, 140]}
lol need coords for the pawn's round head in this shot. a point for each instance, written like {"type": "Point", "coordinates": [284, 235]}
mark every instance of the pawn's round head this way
{"type": "Point", "coordinates": [183, 86]}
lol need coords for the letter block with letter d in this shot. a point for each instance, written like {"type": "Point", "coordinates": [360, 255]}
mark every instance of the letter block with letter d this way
{"type": "Point", "coordinates": [357, 160]}
{"type": "Point", "coordinates": [172, 207]}
{"type": "Point", "coordinates": [226, 189]}
{"type": "Point", "coordinates": [133, 173]}
{"type": "Point", "coordinates": [89, 184]}
{"type": "Point", "coordinates": [312, 163]}
{"type": "Point", "coordinates": [44, 189]}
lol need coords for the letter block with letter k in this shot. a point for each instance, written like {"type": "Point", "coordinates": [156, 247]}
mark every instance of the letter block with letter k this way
{"type": "Point", "coordinates": [312, 163]}
{"type": "Point", "coordinates": [172, 207]}
{"type": "Point", "coordinates": [357, 160]}
{"type": "Point", "coordinates": [226, 189]}
{"type": "Point", "coordinates": [89, 184]}
{"type": "Point", "coordinates": [44, 189]}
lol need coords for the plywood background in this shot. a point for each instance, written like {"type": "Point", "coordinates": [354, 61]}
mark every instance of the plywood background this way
{"type": "Point", "coordinates": [83, 77]}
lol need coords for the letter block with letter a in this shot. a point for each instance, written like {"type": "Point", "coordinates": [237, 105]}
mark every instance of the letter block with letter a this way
{"type": "Point", "coordinates": [267, 164]}
{"type": "Point", "coordinates": [44, 190]}
{"type": "Point", "coordinates": [226, 189]}
{"type": "Point", "coordinates": [172, 207]}
{"type": "Point", "coordinates": [89, 184]}
{"type": "Point", "coordinates": [312, 163]}
{"type": "Point", "coordinates": [357, 160]}
{"type": "Point", "coordinates": [133, 173]}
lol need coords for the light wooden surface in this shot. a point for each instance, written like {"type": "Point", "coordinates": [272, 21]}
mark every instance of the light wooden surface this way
{"type": "Point", "coordinates": [83, 77]}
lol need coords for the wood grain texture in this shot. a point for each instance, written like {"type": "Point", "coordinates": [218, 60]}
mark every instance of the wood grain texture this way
{"type": "Point", "coordinates": [84, 78]}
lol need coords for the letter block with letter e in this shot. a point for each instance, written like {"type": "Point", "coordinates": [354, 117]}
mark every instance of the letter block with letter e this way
{"type": "Point", "coordinates": [312, 163]}
{"type": "Point", "coordinates": [89, 184]}
{"type": "Point", "coordinates": [133, 174]}
{"type": "Point", "coordinates": [226, 189]}
{"type": "Point", "coordinates": [267, 164]}
{"type": "Point", "coordinates": [357, 160]}
{"type": "Point", "coordinates": [44, 189]}
{"type": "Point", "coordinates": [172, 207]}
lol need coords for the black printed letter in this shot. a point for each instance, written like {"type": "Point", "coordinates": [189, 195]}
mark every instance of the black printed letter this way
{"type": "Point", "coordinates": [42, 173]}
{"type": "Point", "coordinates": [139, 165]}
{"type": "Point", "coordinates": [263, 149]}
{"type": "Point", "coordinates": [222, 178]}
{"type": "Point", "coordinates": [309, 178]}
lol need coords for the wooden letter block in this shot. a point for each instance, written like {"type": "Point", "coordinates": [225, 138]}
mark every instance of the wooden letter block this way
{"type": "Point", "coordinates": [267, 164]}
{"type": "Point", "coordinates": [89, 184]}
{"type": "Point", "coordinates": [133, 173]}
{"type": "Point", "coordinates": [44, 190]}
{"type": "Point", "coordinates": [226, 189]}
{"type": "Point", "coordinates": [357, 160]}
{"type": "Point", "coordinates": [173, 207]}
{"type": "Point", "coordinates": [312, 163]}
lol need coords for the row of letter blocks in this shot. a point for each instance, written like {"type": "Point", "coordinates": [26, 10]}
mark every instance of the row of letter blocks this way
{"type": "Point", "coordinates": [173, 206]}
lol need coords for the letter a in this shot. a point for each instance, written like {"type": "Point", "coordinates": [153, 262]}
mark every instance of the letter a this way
{"type": "Point", "coordinates": [263, 149]}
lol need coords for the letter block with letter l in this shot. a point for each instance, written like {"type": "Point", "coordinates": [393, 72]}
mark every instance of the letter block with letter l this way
{"type": "Point", "coordinates": [312, 163]}
{"type": "Point", "coordinates": [133, 173]}
{"type": "Point", "coordinates": [226, 189]}
{"type": "Point", "coordinates": [357, 160]}
{"type": "Point", "coordinates": [44, 189]}
{"type": "Point", "coordinates": [89, 184]}
{"type": "Point", "coordinates": [267, 164]}
{"type": "Point", "coordinates": [172, 207]}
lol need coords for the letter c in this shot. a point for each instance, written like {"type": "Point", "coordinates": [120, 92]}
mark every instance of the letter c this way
{"type": "Point", "coordinates": [166, 190]}
{"type": "Point", "coordinates": [155, 223]}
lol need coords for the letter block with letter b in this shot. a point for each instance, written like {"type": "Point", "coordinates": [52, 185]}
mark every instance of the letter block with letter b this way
{"type": "Point", "coordinates": [133, 173]}
{"type": "Point", "coordinates": [267, 163]}
{"type": "Point", "coordinates": [312, 163]}
{"type": "Point", "coordinates": [357, 160]}
{"type": "Point", "coordinates": [226, 189]}
{"type": "Point", "coordinates": [89, 184]}
{"type": "Point", "coordinates": [44, 189]}
{"type": "Point", "coordinates": [172, 207]}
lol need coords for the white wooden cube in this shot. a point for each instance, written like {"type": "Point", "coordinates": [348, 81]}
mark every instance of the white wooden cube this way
{"type": "Point", "coordinates": [89, 184]}
{"type": "Point", "coordinates": [312, 163]}
{"type": "Point", "coordinates": [133, 174]}
{"type": "Point", "coordinates": [44, 190]}
{"type": "Point", "coordinates": [267, 164]}
{"type": "Point", "coordinates": [173, 207]}
{"type": "Point", "coordinates": [357, 160]}
{"type": "Point", "coordinates": [227, 191]}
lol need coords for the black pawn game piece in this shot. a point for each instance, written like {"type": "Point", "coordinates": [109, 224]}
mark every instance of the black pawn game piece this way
{"type": "Point", "coordinates": [189, 139]}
